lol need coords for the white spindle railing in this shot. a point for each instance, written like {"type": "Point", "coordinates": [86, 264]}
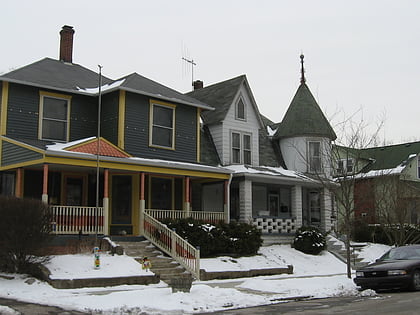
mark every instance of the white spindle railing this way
{"type": "Point", "coordinates": [210, 217]}
{"type": "Point", "coordinates": [73, 219]}
{"type": "Point", "coordinates": [172, 244]}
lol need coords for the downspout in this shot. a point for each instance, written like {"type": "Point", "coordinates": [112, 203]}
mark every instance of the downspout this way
{"type": "Point", "coordinates": [227, 204]}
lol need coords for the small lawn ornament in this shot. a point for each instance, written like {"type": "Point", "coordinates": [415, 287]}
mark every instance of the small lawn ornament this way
{"type": "Point", "coordinates": [146, 264]}
{"type": "Point", "coordinates": [97, 259]}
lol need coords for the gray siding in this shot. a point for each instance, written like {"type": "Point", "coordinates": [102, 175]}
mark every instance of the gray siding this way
{"type": "Point", "coordinates": [13, 154]}
{"type": "Point", "coordinates": [137, 131]}
{"type": "Point", "coordinates": [83, 117]}
{"type": "Point", "coordinates": [22, 113]}
{"type": "Point", "coordinates": [109, 117]}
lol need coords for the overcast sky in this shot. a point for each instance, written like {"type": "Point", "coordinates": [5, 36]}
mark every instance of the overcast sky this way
{"type": "Point", "coordinates": [360, 56]}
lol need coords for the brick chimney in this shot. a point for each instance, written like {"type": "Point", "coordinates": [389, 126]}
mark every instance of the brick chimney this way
{"type": "Point", "coordinates": [66, 43]}
{"type": "Point", "coordinates": [198, 84]}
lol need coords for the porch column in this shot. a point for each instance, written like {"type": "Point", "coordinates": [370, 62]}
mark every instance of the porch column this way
{"type": "Point", "coordinates": [226, 201]}
{"type": "Point", "coordinates": [297, 205]}
{"type": "Point", "coordinates": [106, 202]}
{"type": "Point", "coordinates": [19, 183]}
{"type": "Point", "coordinates": [245, 201]}
{"type": "Point", "coordinates": [142, 204]}
{"type": "Point", "coordinates": [187, 203]}
{"type": "Point", "coordinates": [325, 209]}
{"type": "Point", "coordinates": [45, 184]}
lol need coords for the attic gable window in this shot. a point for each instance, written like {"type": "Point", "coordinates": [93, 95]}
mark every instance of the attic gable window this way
{"type": "Point", "coordinates": [162, 131]}
{"type": "Point", "coordinates": [54, 116]}
{"type": "Point", "coordinates": [240, 110]}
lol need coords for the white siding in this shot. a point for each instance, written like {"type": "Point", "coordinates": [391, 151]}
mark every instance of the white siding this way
{"type": "Point", "coordinates": [250, 125]}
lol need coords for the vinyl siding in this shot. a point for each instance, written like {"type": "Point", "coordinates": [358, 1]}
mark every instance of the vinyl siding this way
{"type": "Point", "coordinates": [83, 117]}
{"type": "Point", "coordinates": [109, 116]}
{"type": "Point", "coordinates": [13, 154]}
{"type": "Point", "coordinates": [137, 131]}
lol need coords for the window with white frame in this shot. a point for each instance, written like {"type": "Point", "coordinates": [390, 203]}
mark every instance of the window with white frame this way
{"type": "Point", "coordinates": [162, 129]}
{"type": "Point", "coordinates": [54, 117]}
{"type": "Point", "coordinates": [241, 148]}
{"type": "Point", "coordinates": [314, 156]}
{"type": "Point", "coordinates": [345, 166]}
{"type": "Point", "coordinates": [240, 110]}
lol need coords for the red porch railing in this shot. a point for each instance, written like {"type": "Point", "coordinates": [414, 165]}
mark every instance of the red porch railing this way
{"type": "Point", "coordinates": [73, 219]}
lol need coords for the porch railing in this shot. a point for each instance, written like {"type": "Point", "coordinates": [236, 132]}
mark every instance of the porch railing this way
{"type": "Point", "coordinates": [172, 244]}
{"type": "Point", "coordinates": [73, 219]}
{"type": "Point", "coordinates": [210, 217]}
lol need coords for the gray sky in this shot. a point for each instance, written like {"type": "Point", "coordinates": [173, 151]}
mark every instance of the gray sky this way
{"type": "Point", "coordinates": [359, 55]}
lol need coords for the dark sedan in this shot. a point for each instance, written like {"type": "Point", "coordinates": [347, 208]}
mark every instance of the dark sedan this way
{"type": "Point", "coordinates": [399, 268]}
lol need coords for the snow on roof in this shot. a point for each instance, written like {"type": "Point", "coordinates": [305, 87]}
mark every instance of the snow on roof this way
{"type": "Point", "coordinates": [271, 132]}
{"type": "Point", "coordinates": [375, 173]}
{"type": "Point", "coordinates": [104, 88]}
{"type": "Point", "coordinates": [62, 146]}
{"type": "Point", "coordinates": [266, 170]}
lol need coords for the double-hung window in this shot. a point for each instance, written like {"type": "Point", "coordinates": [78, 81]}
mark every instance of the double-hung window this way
{"type": "Point", "coordinates": [162, 129]}
{"type": "Point", "coordinates": [54, 117]}
{"type": "Point", "coordinates": [241, 148]}
{"type": "Point", "coordinates": [345, 166]}
{"type": "Point", "coordinates": [314, 156]}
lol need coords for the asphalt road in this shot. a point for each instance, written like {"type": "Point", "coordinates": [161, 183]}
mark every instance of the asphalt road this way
{"type": "Point", "coordinates": [401, 303]}
{"type": "Point", "coordinates": [387, 303]}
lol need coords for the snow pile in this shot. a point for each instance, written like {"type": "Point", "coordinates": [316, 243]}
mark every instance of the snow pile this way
{"type": "Point", "coordinates": [314, 276]}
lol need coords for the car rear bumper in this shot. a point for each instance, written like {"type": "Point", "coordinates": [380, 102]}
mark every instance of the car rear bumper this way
{"type": "Point", "coordinates": [389, 282]}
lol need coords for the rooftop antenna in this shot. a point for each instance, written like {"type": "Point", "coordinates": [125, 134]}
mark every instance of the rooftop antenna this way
{"type": "Point", "coordinates": [302, 70]}
{"type": "Point", "coordinates": [191, 61]}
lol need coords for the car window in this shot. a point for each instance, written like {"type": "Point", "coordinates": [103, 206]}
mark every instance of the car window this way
{"type": "Point", "coordinates": [402, 253]}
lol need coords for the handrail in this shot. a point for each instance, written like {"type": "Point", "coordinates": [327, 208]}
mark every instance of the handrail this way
{"type": "Point", "coordinates": [208, 216]}
{"type": "Point", "coordinates": [172, 244]}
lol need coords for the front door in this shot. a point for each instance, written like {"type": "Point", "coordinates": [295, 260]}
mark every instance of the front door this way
{"type": "Point", "coordinates": [121, 204]}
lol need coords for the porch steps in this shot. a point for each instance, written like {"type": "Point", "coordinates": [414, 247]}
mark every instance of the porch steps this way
{"type": "Point", "coordinates": [338, 249]}
{"type": "Point", "coordinates": [274, 239]}
{"type": "Point", "coordinates": [163, 266]}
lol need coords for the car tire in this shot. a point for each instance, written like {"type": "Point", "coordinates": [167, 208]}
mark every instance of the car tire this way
{"type": "Point", "coordinates": [415, 280]}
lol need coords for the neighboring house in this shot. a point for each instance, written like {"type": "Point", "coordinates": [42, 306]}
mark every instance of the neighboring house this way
{"type": "Point", "coordinates": [148, 158]}
{"type": "Point", "coordinates": [386, 182]}
{"type": "Point", "coordinates": [276, 167]}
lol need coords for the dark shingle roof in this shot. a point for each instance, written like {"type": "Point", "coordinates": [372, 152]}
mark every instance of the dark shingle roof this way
{"type": "Point", "coordinates": [142, 85]}
{"type": "Point", "coordinates": [55, 74]}
{"type": "Point", "coordinates": [220, 96]}
{"type": "Point", "coordinates": [304, 117]}
{"type": "Point", "coordinates": [208, 152]}
{"type": "Point", "coordinates": [387, 157]}
{"type": "Point", "coordinates": [269, 152]}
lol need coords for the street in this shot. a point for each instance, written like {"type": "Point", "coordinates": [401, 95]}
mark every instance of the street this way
{"type": "Point", "coordinates": [404, 303]}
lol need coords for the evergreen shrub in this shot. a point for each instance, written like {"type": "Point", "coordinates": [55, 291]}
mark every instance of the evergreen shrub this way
{"type": "Point", "coordinates": [309, 240]}
{"type": "Point", "coordinates": [234, 239]}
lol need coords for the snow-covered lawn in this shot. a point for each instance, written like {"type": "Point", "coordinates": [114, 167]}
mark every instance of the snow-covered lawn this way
{"type": "Point", "coordinates": [317, 276]}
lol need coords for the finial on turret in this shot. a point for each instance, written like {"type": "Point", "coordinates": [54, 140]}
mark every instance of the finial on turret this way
{"type": "Point", "coordinates": [302, 70]}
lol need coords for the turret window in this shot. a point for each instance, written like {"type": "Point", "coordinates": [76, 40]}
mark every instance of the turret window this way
{"type": "Point", "coordinates": [314, 156]}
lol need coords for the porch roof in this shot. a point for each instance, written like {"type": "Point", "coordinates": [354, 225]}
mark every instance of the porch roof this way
{"type": "Point", "coordinates": [64, 154]}
{"type": "Point", "coordinates": [272, 174]}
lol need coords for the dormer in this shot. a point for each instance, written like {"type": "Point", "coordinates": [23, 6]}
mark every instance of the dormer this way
{"type": "Point", "coordinates": [235, 123]}
{"type": "Point", "coordinates": [305, 135]}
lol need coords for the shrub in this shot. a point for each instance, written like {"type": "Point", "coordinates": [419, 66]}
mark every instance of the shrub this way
{"type": "Point", "coordinates": [235, 239]}
{"type": "Point", "coordinates": [309, 240]}
{"type": "Point", "coordinates": [25, 226]}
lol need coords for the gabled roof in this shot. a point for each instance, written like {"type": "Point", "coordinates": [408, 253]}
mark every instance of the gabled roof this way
{"type": "Point", "coordinates": [55, 74]}
{"type": "Point", "coordinates": [69, 77]}
{"type": "Point", "coordinates": [220, 96]}
{"type": "Point", "coordinates": [304, 117]}
{"type": "Point", "coordinates": [138, 84]}
{"type": "Point", "coordinates": [392, 156]}
{"type": "Point", "coordinates": [91, 146]}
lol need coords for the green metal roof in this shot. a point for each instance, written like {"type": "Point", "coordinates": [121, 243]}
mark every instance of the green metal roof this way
{"type": "Point", "coordinates": [304, 117]}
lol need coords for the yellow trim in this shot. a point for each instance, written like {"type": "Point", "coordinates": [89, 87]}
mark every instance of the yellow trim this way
{"type": "Point", "coordinates": [23, 164]}
{"type": "Point", "coordinates": [121, 119]}
{"type": "Point", "coordinates": [162, 104]}
{"type": "Point", "coordinates": [198, 135]}
{"type": "Point", "coordinates": [3, 107]}
{"type": "Point", "coordinates": [42, 94]}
